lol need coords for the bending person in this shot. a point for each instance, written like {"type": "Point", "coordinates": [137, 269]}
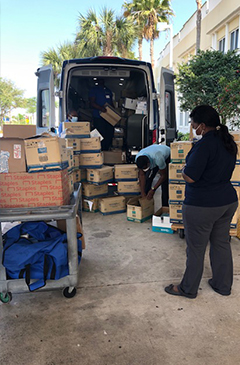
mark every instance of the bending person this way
{"type": "Point", "coordinates": [150, 161]}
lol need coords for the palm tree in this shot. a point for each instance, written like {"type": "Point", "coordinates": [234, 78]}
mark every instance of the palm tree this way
{"type": "Point", "coordinates": [198, 24]}
{"type": "Point", "coordinates": [150, 13]}
{"type": "Point", "coordinates": [105, 35]}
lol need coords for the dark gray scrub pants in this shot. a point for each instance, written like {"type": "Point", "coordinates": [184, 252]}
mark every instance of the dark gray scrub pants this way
{"type": "Point", "coordinates": [203, 224]}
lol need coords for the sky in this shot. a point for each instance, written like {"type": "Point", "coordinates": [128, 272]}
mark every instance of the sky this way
{"type": "Point", "coordinates": [30, 27]}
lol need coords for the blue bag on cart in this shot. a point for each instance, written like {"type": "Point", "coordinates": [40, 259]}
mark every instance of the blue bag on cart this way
{"type": "Point", "coordinates": [36, 250]}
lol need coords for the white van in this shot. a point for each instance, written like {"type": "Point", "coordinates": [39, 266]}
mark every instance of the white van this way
{"type": "Point", "coordinates": [127, 79]}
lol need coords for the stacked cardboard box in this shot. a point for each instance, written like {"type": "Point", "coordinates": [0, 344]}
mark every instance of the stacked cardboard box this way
{"type": "Point", "coordinates": [179, 151]}
{"type": "Point", "coordinates": [34, 172]}
{"type": "Point", "coordinates": [126, 176]}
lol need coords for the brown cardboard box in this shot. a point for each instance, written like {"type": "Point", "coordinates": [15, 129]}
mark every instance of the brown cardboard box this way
{"type": "Point", "coordinates": [175, 213]}
{"type": "Point", "coordinates": [114, 157]}
{"type": "Point", "coordinates": [18, 131]}
{"type": "Point", "coordinates": [61, 224]}
{"type": "Point", "coordinates": [117, 142]}
{"type": "Point", "coordinates": [126, 172]}
{"type": "Point", "coordinates": [236, 135]}
{"type": "Point", "coordinates": [139, 210]}
{"type": "Point", "coordinates": [77, 176]}
{"type": "Point", "coordinates": [100, 176]}
{"type": "Point", "coordinates": [175, 173]}
{"type": "Point", "coordinates": [90, 205]}
{"type": "Point", "coordinates": [176, 193]}
{"type": "Point", "coordinates": [89, 145]}
{"type": "Point", "coordinates": [76, 161]}
{"type": "Point", "coordinates": [40, 189]}
{"type": "Point", "coordinates": [111, 115]}
{"type": "Point", "coordinates": [128, 187]}
{"type": "Point", "coordinates": [94, 191]}
{"type": "Point", "coordinates": [235, 180]}
{"type": "Point", "coordinates": [46, 153]}
{"type": "Point", "coordinates": [179, 151]}
{"type": "Point", "coordinates": [70, 159]}
{"type": "Point", "coordinates": [112, 205]}
{"type": "Point", "coordinates": [76, 129]}
{"type": "Point", "coordinates": [12, 155]}
{"type": "Point", "coordinates": [91, 160]}
{"type": "Point", "coordinates": [70, 182]}
{"type": "Point", "coordinates": [75, 143]}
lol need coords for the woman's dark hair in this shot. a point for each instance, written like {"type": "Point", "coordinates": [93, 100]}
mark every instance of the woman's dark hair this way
{"type": "Point", "coordinates": [142, 162]}
{"type": "Point", "coordinates": [209, 116]}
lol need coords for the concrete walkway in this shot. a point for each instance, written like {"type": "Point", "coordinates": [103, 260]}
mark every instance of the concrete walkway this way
{"type": "Point", "coordinates": [121, 314]}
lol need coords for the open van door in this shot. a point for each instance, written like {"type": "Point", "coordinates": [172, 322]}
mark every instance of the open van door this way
{"type": "Point", "coordinates": [45, 99]}
{"type": "Point", "coordinates": [167, 105]}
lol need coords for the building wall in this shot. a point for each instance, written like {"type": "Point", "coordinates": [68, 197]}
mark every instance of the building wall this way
{"type": "Point", "coordinates": [219, 19]}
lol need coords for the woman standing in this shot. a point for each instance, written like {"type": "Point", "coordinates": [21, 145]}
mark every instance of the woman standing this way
{"type": "Point", "coordinates": [209, 205]}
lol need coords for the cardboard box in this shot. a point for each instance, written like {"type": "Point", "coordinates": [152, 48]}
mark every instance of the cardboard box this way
{"type": "Point", "coordinates": [12, 155]}
{"type": "Point", "coordinates": [179, 151]}
{"type": "Point", "coordinates": [139, 210]}
{"type": "Point", "coordinates": [175, 173]}
{"type": "Point", "coordinates": [91, 191]}
{"type": "Point", "coordinates": [40, 189]}
{"type": "Point", "coordinates": [77, 176]}
{"type": "Point", "coordinates": [83, 175]}
{"type": "Point", "coordinates": [176, 193]}
{"type": "Point", "coordinates": [76, 161]}
{"type": "Point", "coordinates": [18, 131]}
{"type": "Point", "coordinates": [70, 182]}
{"type": "Point", "coordinates": [91, 160]}
{"type": "Point", "coordinates": [100, 176]}
{"type": "Point", "coordinates": [117, 142]}
{"type": "Point", "coordinates": [75, 143]}
{"type": "Point", "coordinates": [70, 159]}
{"type": "Point", "coordinates": [46, 153]}
{"type": "Point", "coordinates": [89, 145]}
{"type": "Point", "coordinates": [235, 180]}
{"type": "Point", "coordinates": [126, 172]}
{"type": "Point", "coordinates": [235, 134]}
{"type": "Point", "coordinates": [76, 129]}
{"type": "Point", "coordinates": [114, 157]}
{"type": "Point", "coordinates": [61, 224]}
{"type": "Point", "coordinates": [141, 111]}
{"type": "Point", "coordinates": [161, 221]}
{"type": "Point", "coordinates": [90, 205]}
{"type": "Point", "coordinates": [112, 205]}
{"type": "Point", "coordinates": [130, 104]}
{"type": "Point", "coordinates": [111, 115]}
{"type": "Point", "coordinates": [238, 154]}
{"type": "Point", "coordinates": [128, 188]}
{"type": "Point", "coordinates": [175, 213]}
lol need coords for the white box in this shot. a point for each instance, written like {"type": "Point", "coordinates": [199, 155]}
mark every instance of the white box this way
{"type": "Point", "coordinates": [130, 104]}
{"type": "Point", "coordinates": [161, 221]}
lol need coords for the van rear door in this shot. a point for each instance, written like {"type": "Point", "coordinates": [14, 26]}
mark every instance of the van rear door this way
{"type": "Point", "coordinates": [45, 99]}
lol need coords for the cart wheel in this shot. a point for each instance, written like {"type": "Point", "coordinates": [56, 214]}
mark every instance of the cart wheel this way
{"type": "Point", "coordinates": [6, 298]}
{"type": "Point", "coordinates": [68, 294]}
{"type": "Point", "coordinates": [181, 233]}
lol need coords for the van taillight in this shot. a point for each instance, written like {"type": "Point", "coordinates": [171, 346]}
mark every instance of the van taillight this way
{"type": "Point", "coordinates": [154, 136]}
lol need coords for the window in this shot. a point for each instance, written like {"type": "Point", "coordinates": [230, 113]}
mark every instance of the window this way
{"type": "Point", "coordinates": [186, 124]}
{"type": "Point", "coordinates": [181, 119]}
{"type": "Point", "coordinates": [234, 39]}
{"type": "Point", "coordinates": [221, 44]}
{"type": "Point", "coordinates": [45, 110]}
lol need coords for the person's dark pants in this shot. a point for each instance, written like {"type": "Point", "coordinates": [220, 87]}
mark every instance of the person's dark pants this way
{"type": "Point", "coordinates": [150, 175]}
{"type": "Point", "coordinates": [106, 130]}
{"type": "Point", "coordinates": [203, 224]}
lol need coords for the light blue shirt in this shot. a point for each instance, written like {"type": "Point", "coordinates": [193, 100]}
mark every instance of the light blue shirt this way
{"type": "Point", "coordinates": [157, 155]}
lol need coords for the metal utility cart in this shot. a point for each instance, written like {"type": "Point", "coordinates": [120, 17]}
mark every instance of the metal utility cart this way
{"type": "Point", "coordinates": [66, 212]}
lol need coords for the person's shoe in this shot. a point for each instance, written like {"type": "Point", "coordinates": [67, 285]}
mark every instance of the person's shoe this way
{"type": "Point", "coordinates": [216, 290]}
{"type": "Point", "coordinates": [173, 290]}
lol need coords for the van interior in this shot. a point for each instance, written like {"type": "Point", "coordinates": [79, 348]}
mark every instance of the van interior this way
{"type": "Point", "coordinates": [132, 131]}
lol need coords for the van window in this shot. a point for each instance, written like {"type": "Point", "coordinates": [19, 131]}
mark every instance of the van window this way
{"type": "Point", "coordinates": [44, 108]}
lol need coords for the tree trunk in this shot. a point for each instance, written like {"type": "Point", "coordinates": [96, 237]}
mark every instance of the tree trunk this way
{"type": "Point", "coordinates": [152, 52]}
{"type": "Point", "coordinates": [140, 48]}
{"type": "Point", "coordinates": [198, 24]}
